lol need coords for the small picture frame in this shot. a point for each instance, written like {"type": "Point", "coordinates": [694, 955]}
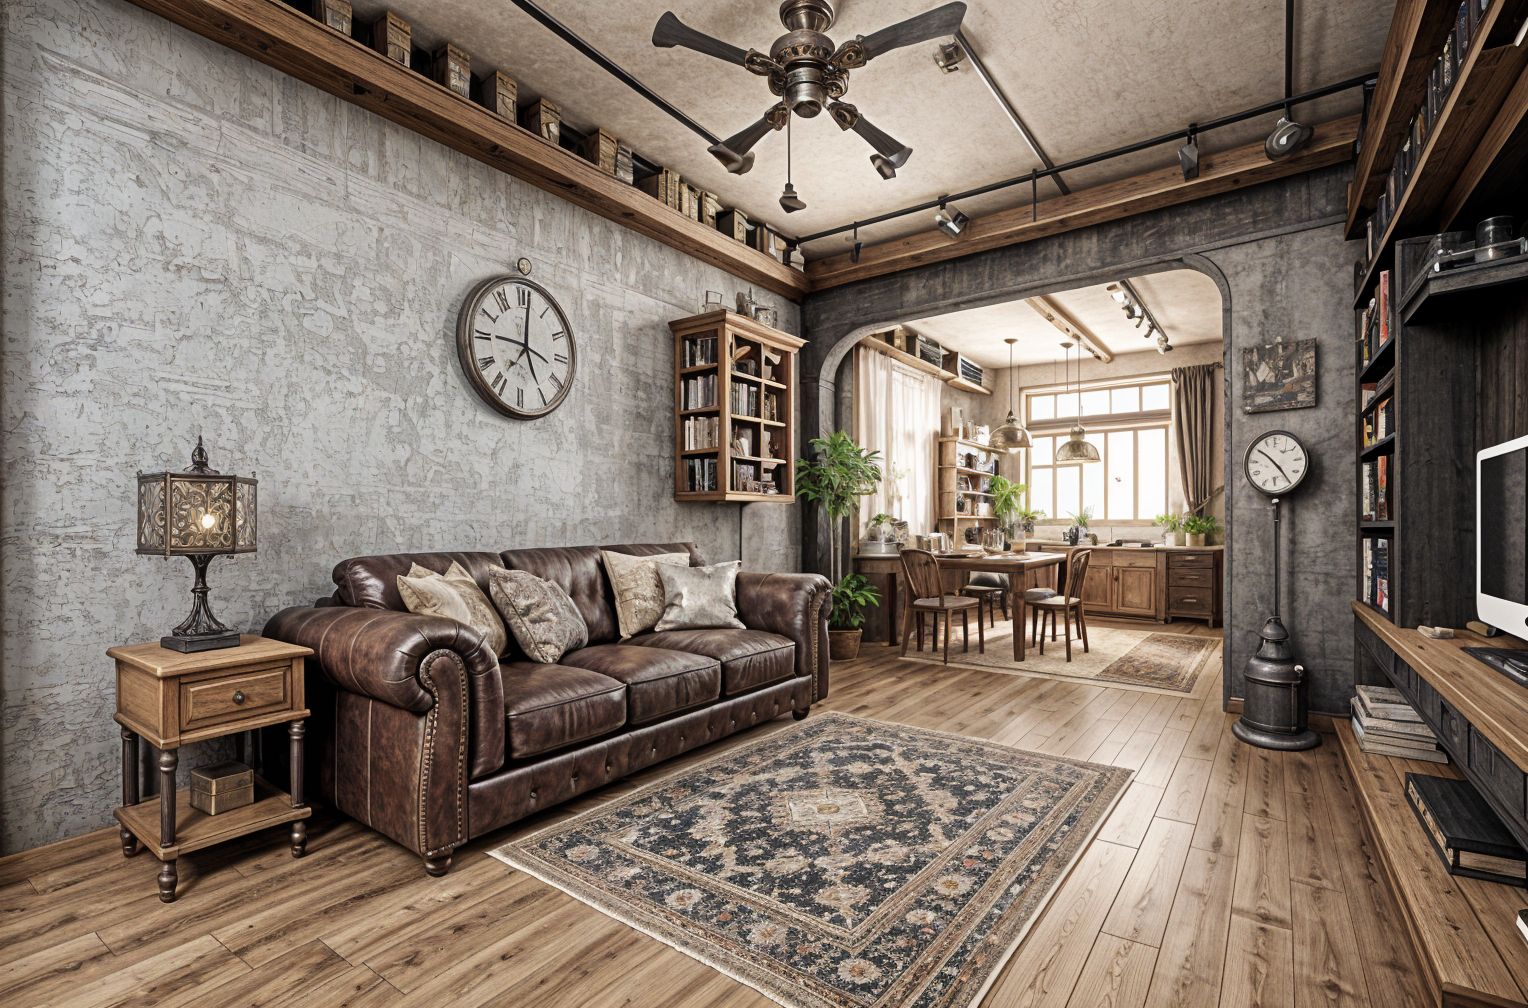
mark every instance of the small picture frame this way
{"type": "Point", "coordinates": [1279, 376]}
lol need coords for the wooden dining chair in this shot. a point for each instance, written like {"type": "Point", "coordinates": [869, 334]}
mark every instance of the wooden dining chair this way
{"type": "Point", "coordinates": [1067, 603]}
{"type": "Point", "coordinates": [991, 590]}
{"type": "Point", "coordinates": [925, 586]}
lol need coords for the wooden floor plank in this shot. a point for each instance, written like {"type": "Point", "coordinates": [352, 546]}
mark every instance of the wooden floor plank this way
{"type": "Point", "coordinates": [1116, 975]}
{"type": "Point", "coordinates": [1192, 961]}
{"type": "Point", "coordinates": [1265, 783]}
{"type": "Point", "coordinates": [1260, 967]}
{"type": "Point", "coordinates": [1328, 969]}
{"type": "Point", "coordinates": [1185, 790]}
{"type": "Point", "coordinates": [1218, 827]}
{"type": "Point", "coordinates": [1262, 872]}
{"type": "Point", "coordinates": [1141, 909]}
{"type": "Point", "coordinates": [1128, 822]}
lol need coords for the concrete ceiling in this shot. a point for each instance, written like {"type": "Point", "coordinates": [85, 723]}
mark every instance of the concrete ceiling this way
{"type": "Point", "coordinates": [1086, 76]}
{"type": "Point", "coordinates": [1185, 302]}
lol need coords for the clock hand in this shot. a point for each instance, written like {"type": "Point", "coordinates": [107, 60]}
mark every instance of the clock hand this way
{"type": "Point", "coordinates": [1275, 465]}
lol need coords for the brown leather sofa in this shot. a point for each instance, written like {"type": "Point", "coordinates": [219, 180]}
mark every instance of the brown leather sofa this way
{"type": "Point", "coordinates": [431, 739]}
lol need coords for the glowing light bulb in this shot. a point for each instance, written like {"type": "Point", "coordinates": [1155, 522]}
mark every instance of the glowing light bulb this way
{"type": "Point", "coordinates": [208, 520]}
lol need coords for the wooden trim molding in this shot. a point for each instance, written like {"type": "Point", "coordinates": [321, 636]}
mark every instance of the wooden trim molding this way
{"type": "Point", "coordinates": [288, 40]}
{"type": "Point", "coordinates": [1229, 170]}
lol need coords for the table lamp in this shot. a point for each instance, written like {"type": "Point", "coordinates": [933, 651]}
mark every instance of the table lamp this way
{"type": "Point", "coordinates": [199, 513]}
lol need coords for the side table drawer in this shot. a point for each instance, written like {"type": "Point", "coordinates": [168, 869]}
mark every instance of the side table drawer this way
{"type": "Point", "coordinates": [1190, 577]}
{"type": "Point", "coordinates": [1190, 601]}
{"type": "Point", "coordinates": [232, 696]}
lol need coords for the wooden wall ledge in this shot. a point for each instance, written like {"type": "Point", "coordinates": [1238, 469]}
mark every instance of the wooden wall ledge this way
{"type": "Point", "coordinates": [288, 40]}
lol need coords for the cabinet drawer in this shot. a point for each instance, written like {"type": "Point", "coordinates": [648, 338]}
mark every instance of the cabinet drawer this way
{"type": "Point", "coordinates": [1452, 730]}
{"type": "Point", "coordinates": [1190, 600]}
{"type": "Point", "coordinates": [1180, 560]}
{"type": "Point", "coordinates": [1190, 577]}
{"type": "Point", "coordinates": [1139, 558]}
{"type": "Point", "coordinates": [233, 696]}
{"type": "Point", "coordinates": [1370, 642]}
{"type": "Point", "coordinates": [1427, 702]}
{"type": "Point", "coordinates": [1501, 776]}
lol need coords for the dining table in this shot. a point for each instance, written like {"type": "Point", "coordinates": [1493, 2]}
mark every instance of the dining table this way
{"type": "Point", "coordinates": [1024, 570]}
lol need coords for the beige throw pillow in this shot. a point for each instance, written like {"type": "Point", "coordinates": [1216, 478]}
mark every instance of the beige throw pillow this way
{"type": "Point", "coordinates": [545, 622]}
{"type": "Point", "coordinates": [429, 593]}
{"type": "Point", "coordinates": [638, 592]}
{"type": "Point", "coordinates": [699, 598]}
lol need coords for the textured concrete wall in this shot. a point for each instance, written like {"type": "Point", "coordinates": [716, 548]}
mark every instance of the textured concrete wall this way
{"type": "Point", "coordinates": [1278, 254]}
{"type": "Point", "coordinates": [195, 243]}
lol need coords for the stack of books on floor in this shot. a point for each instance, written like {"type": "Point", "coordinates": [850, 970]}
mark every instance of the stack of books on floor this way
{"type": "Point", "coordinates": [1387, 725]}
{"type": "Point", "coordinates": [1467, 835]}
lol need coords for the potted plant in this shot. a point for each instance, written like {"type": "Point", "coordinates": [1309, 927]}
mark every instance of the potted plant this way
{"type": "Point", "coordinates": [1200, 528]}
{"type": "Point", "coordinates": [1026, 517]}
{"type": "Point", "coordinates": [1172, 528]}
{"type": "Point", "coordinates": [837, 475]}
{"type": "Point", "coordinates": [1079, 522]}
{"type": "Point", "coordinates": [880, 534]}
{"type": "Point", "coordinates": [1007, 502]}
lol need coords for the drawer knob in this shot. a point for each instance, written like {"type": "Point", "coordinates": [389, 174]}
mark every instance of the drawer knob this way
{"type": "Point", "coordinates": [238, 696]}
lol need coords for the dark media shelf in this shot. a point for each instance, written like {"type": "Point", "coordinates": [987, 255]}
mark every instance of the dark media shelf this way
{"type": "Point", "coordinates": [1380, 364]}
{"type": "Point", "coordinates": [1384, 446]}
{"type": "Point", "coordinates": [1438, 298]}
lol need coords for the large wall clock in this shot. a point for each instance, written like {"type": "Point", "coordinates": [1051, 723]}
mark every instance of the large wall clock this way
{"type": "Point", "coordinates": [1276, 463]}
{"type": "Point", "coordinates": [516, 346]}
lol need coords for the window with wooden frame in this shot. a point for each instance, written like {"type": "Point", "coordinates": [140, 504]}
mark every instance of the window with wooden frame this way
{"type": "Point", "coordinates": [1127, 421]}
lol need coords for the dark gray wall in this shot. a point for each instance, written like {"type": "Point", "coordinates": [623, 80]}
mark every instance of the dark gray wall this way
{"type": "Point", "coordinates": [1277, 253]}
{"type": "Point", "coordinates": [195, 243]}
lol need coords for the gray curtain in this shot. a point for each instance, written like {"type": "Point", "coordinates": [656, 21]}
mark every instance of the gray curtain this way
{"type": "Point", "coordinates": [1194, 424]}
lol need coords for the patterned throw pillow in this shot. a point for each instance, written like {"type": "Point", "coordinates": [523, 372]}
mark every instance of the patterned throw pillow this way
{"type": "Point", "coordinates": [699, 598]}
{"type": "Point", "coordinates": [543, 619]}
{"type": "Point", "coordinates": [638, 592]}
{"type": "Point", "coordinates": [429, 593]}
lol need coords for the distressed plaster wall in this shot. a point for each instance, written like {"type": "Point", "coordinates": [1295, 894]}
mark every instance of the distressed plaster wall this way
{"type": "Point", "coordinates": [195, 243]}
{"type": "Point", "coordinates": [1284, 269]}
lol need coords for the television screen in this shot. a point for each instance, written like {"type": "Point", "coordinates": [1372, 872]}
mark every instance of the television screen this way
{"type": "Point", "coordinates": [1504, 526]}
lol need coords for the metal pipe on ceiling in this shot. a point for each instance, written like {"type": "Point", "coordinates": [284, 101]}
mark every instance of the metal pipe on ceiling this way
{"type": "Point", "coordinates": [1092, 159]}
{"type": "Point", "coordinates": [1008, 109]}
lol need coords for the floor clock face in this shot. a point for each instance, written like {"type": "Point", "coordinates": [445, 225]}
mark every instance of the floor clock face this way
{"type": "Point", "coordinates": [1276, 463]}
{"type": "Point", "coordinates": [516, 346]}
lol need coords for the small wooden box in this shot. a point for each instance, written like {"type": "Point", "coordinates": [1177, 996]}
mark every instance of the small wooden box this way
{"type": "Point", "coordinates": [501, 95]}
{"type": "Point", "coordinates": [334, 13]}
{"type": "Point", "coordinates": [543, 118]}
{"type": "Point", "coordinates": [710, 206]}
{"type": "Point", "coordinates": [453, 68]}
{"type": "Point", "coordinates": [734, 224]}
{"type": "Point", "coordinates": [600, 149]}
{"type": "Point", "coordinates": [689, 200]}
{"type": "Point", "coordinates": [663, 186]}
{"type": "Point", "coordinates": [392, 37]}
{"type": "Point", "coordinates": [625, 165]}
{"type": "Point", "coordinates": [222, 787]}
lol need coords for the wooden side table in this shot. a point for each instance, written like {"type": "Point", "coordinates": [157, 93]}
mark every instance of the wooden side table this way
{"type": "Point", "coordinates": [172, 699]}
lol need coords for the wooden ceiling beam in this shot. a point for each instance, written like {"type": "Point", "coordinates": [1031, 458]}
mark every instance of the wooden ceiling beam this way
{"type": "Point", "coordinates": [283, 37]}
{"type": "Point", "coordinates": [1070, 327]}
{"type": "Point", "coordinates": [1219, 173]}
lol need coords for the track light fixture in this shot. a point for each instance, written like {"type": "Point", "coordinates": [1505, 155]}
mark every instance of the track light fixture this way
{"type": "Point", "coordinates": [1288, 136]}
{"type": "Point", "coordinates": [948, 56]}
{"type": "Point", "coordinates": [1188, 154]}
{"type": "Point", "coordinates": [950, 220]}
{"type": "Point", "coordinates": [854, 253]}
{"type": "Point", "coordinates": [1131, 303]}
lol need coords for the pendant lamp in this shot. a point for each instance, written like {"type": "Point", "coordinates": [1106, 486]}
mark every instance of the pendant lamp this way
{"type": "Point", "coordinates": [1076, 448]}
{"type": "Point", "coordinates": [1011, 436]}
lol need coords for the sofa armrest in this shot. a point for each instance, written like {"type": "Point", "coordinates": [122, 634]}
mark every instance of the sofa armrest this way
{"type": "Point", "coordinates": [388, 656]}
{"type": "Point", "coordinates": [793, 606]}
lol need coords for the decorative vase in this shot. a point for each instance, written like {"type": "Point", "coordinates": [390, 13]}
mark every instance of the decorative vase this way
{"type": "Point", "coordinates": [844, 645]}
{"type": "Point", "coordinates": [1196, 538]}
{"type": "Point", "coordinates": [1171, 538]}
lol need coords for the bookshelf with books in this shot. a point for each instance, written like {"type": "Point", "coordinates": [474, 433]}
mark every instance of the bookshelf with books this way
{"type": "Point", "coordinates": [734, 409]}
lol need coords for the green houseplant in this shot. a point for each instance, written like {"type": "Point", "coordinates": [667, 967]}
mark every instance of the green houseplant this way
{"type": "Point", "coordinates": [836, 475]}
{"type": "Point", "coordinates": [1007, 502]}
{"type": "Point", "coordinates": [1080, 521]}
{"type": "Point", "coordinates": [1026, 517]}
{"type": "Point", "coordinates": [1171, 526]}
{"type": "Point", "coordinates": [1199, 528]}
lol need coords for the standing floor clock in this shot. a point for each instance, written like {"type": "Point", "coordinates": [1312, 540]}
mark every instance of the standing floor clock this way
{"type": "Point", "coordinates": [516, 346]}
{"type": "Point", "coordinates": [1274, 713]}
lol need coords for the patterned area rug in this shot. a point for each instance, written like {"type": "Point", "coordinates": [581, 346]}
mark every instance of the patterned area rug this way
{"type": "Point", "coordinates": [841, 863]}
{"type": "Point", "coordinates": [1135, 659]}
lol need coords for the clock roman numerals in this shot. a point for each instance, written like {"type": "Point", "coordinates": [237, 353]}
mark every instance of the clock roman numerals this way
{"type": "Point", "coordinates": [560, 358]}
{"type": "Point", "coordinates": [529, 352]}
{"type": "Point", "coordinates": [502, 299]}
{"type": "Point", "coordinates": [484, 363]}
{"type": "Point", "coordinates": [498, 383]}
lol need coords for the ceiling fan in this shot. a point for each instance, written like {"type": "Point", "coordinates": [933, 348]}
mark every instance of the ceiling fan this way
{"type": "Point", "coordinates": [809, 73]}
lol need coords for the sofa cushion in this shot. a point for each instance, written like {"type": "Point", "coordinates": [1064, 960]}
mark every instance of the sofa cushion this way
{"type": "Point", "coordinates": [372, 581]}
{"type": "Point", "coordinates": [420, 591]}
{"type": "Point", "coordinates": [549, 707]}
{"type": "Point", "coordinates": [545, 622]}
{"type": "Point", "coordinates": [659, 683]}
{"type": "Point", "coordinates": [749, 658]}
{"type": "Point", "coordinates": [638, 588]}
{"type": "Point", "coordinates": [577, 570]}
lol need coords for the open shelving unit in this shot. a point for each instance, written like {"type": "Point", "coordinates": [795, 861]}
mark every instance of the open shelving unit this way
{"type": "Point", "coordinates": [734, 409]}
{"type": "Point", "coordinates": [963, 495]}
{"type": "Point", "coordinates": [917, 363]}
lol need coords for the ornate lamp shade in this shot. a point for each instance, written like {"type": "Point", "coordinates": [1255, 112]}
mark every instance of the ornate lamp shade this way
{"type": "Point", "coordinates": [198, 513]}
{"type": "Point", "coordinates": [1077, 448]}
{"type": "Point", "coordinates": [1010, 437]}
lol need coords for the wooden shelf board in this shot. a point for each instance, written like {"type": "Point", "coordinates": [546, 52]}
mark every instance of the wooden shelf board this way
{"type": "Point", "coordinates": [767, 383]}
{"type": "Point", "coordinates": [287, 39]}
{"type": "Point", "coordinates": [1376, 524]}
{"type": "Point", "coordinates": [1384, 446]}
{"type": "Point", "coordinates": [697, 368]}
{"type": "Point", "coordinates": [699, 451]}
{"type": "Point", "coordinates": [968, 517]}
{"type": "Point", "coordinates": [759, 458]}
{"type": "Point", "coordinates": [1436, 295]}
{"type": "Point", "coordinates": [758, 420]}
{"type": "Point", "coordinates": [917, 363]}
{"type": "Point", "coordinates": [195, 830]}
{"type": "Point", "coordinates": [957, 382]}
{"type": "Point", "coordinates": [700, 409]}
{"type": "Point", "coordinates": [1380, 364]}
{"type": "Point", "coordinates": [1442, 911]}
{"type": "Point", "coordinates": [969, 471]}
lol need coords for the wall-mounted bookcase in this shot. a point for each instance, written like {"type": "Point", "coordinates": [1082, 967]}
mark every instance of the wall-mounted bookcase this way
{"type": "Point", "coordinates": [734, 409]}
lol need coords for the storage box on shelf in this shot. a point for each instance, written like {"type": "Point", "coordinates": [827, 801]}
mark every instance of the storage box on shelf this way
{"type": "Point", "coordinates": [734, 409]}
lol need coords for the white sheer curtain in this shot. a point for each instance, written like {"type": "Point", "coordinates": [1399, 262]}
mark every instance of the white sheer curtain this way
{"type": "Point", "coordinates": [896, 412]}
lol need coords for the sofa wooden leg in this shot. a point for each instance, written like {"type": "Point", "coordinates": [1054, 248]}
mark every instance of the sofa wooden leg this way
{"type": "Point", "coordinates": [435, 867]}
{"type": "Point", "coordinates": [800, 715]}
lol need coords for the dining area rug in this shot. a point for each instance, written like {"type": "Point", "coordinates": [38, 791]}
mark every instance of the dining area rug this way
{"type": "Point", "coordinates": [839, 862]}
{"type": "Point", "coordinates": [1120, 657]}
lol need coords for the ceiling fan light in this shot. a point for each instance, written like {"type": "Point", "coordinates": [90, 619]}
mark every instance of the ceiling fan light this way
{"type": "Point", "coordinates": [1287, 137]}
{"type": "Point", "coordinates": [884, 166]}
{"type": "Point", "coordinates": [1077, 448]}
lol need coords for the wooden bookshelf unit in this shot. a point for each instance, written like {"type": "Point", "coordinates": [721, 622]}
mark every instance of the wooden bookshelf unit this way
{"type": "Point", "coordinates": [734, 409]}
{"type": "Point", "coordinates": [964, 490]}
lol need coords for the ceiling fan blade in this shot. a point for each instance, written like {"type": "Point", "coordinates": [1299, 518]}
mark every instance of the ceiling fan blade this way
{"type": "Point", "coordinates": [889, 147]}
{"type": "Point", "coordinates": [733, 152]}
{"type": "Point", "coordinates": [670, 32]}
{"type": "Point", "coordinates": [937, 23]}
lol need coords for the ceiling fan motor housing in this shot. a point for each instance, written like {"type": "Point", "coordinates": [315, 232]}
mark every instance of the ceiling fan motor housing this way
{"type": "Point", "coordinates": [803, 53]}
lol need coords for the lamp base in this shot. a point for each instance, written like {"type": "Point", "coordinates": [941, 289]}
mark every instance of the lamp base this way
{"type": "Point", "coordinates": [193, 643]}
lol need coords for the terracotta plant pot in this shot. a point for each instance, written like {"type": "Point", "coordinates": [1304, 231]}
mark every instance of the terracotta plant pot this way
{"type": "Point", "coordinates": [844, 645]}
{"type": "Point", "coordinates": [1196, 538]}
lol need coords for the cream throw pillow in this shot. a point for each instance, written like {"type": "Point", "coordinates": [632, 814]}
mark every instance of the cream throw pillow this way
{"type": "Point", "coordinates": [545, 622]}
{"type": "Point", "coordinates": [639, 595]}
{"type": "Point", "coordinates": [453, 595]}
{"type": "Point", "coordinates": [699, 598]}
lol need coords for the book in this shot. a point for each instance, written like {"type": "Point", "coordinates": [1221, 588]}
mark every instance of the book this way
{"type": "Point", "coordinates": [1387, 702]}
{"type": "Point", "coordinates": [1400, 750]}
{"type": "Point", "coordinates": [1382, 728]}
{"type": "Point", "coordinates": [1464, 831]}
